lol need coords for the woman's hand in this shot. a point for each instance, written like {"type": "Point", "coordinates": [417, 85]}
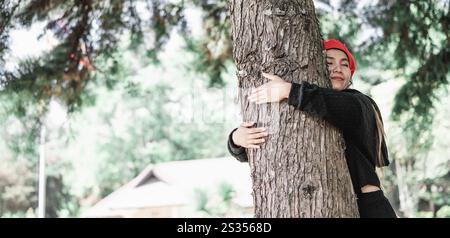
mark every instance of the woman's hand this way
{"type": "Point", "coordinates": [274, 91]}
{"type": "Point", "coordinates": [248, 137]}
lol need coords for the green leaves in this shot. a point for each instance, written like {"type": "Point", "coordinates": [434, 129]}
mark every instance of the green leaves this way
{"type": "Point", "coordinates": [416, 99]}
{"type": "Point", "coordinates": [91, 29]}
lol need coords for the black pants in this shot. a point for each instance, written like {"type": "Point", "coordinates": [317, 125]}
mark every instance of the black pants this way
{"type": "Point", "coordinates": [375, 205]}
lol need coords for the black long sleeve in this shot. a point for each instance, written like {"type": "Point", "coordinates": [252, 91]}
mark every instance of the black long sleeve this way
{"type": "Point", "coordinates": [341, 109]}
{"type": "Point", "coordinates": [236, 151]}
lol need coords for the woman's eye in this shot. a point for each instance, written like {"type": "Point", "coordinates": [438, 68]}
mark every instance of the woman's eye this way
{"type": "Point", "coordinates": [329, 63]}
{"type": "Point", "coordinates": [345, 65]}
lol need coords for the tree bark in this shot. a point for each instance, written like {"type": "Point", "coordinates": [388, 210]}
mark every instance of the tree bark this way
{"type": "Point", "coordinates": [300, 171]}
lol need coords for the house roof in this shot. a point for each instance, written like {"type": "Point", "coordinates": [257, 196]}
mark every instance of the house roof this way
{"type": "Point", "coordinates": [173, 184]}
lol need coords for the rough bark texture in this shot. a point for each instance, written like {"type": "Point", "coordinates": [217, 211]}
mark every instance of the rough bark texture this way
{"type": "Point", "coordinates": [301, 170]}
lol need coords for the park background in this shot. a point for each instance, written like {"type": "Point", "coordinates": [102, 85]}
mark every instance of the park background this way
{"type": "Point", "coordinates": [135, 123]}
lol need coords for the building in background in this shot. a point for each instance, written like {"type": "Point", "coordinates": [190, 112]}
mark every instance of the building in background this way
{"type": "Point", "coordinates": [194, 188]}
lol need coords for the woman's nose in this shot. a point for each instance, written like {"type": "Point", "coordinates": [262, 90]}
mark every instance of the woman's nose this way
{"type": "Point", "coordinates": [337, 68]}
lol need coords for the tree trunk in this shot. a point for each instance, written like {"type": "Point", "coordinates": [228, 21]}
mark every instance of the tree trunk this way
{"type": "Point", "coordinates": [392, 192]}
{"type": "Point", "coordinates": [407, 187]}
{"type": "Point", "coordinates": [300, 171]}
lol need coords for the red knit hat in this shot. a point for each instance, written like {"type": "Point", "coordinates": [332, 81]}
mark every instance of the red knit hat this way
{"type": "Point", "coordinates": [335, 44]}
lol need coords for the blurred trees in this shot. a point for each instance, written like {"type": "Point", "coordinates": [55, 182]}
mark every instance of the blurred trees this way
{"type": "Point", "coordinates": [120, 132]}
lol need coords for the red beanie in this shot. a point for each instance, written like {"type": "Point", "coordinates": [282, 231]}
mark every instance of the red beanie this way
{"type": "Point", "coordinates": [335, 44]}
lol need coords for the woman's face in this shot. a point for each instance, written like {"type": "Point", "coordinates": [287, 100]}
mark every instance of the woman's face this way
{"type": "Point", "coordinates": [339, 68]}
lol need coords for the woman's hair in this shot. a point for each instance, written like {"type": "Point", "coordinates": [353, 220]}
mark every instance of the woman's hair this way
{"type": "Point", "coordinates": [380, 137]}
{"type": "Point", "coordinates": [350, 83]}
{"type": "Point", "coordinates": [379, 162]}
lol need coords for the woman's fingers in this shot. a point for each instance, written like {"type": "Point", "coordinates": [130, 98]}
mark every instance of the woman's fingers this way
{"type": "Point", "coordinates": [261, 96]}
{"type": "Point", "coordinates": [257, 141]}
{"type": "Point", "coordinates": [258, 135]}
{"type": "Point", "coordinates": [264, 100]}
{"type": "Point", "coordinates": [271, 76]}
{"type": "Point", "coordinates": [254, 146]}
{"type": "Point", "coordinates": [256, 130]}
{"type": "Point", "coordinates": [255, 137]}
{"type": "Point", "coordinates": [259, 89]}
{"type": "Point", "coordinates": [271, 94]}
{"type": "Point", "coordinates": [247, 124]}
{"type": "Point", "coordinates": [261, 100]}
{"type": "Point", "coordinates": [258, 93]}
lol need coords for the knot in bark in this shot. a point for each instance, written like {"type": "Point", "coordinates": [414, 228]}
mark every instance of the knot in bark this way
{"type": "Point", "coordinates": [308, 191]}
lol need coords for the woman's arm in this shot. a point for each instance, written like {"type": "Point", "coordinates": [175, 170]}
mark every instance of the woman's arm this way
{"type": "Point", "coordinates": [341, 109]}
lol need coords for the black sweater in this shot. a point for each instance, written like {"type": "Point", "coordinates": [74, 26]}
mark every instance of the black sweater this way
{"type": "Point", "coordinates": [350, 111]}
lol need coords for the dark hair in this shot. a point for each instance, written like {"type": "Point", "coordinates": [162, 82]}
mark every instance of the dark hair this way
{"type": "Point", "coordinates": [380, 137]}
{"type": "Point", "coordinates": [350, 82]}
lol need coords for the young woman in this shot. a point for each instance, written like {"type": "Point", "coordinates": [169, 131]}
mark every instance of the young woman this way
{"type": "Point", "coordinates": [354, 113]}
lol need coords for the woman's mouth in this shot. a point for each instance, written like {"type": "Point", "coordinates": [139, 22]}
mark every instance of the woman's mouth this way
{"type": "Point", "coordinates": [337, 78]}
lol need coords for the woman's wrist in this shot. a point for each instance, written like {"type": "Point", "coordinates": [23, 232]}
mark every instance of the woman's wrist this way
{"type": "Point", "coordinates": [233, 140]}
{"type": "Point", "coordinates": [288, 90]}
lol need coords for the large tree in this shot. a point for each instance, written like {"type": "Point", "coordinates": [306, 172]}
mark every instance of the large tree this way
{"type": "Point", "coordinates": [301, 170]}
